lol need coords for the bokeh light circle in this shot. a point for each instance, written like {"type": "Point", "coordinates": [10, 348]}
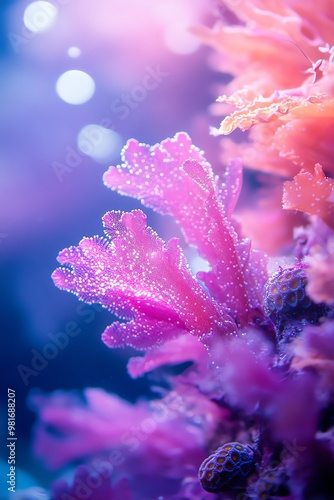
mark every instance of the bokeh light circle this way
{"type": "Point", "coordinates": [40, 16]}
{"type": "Point", "coordinates": [74, 52]}
{"type": "Point", "coordinates": [100, 143]}
{"type": "Point", "coordinates": [75, 86]}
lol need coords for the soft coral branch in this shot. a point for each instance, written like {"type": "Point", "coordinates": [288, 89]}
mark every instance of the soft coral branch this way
{"type": "Point", "coordinates": [143, 281]}
{"type": "Point", "coordinates": [311, 193]}
{"type": "Point", "coordinates": [175, 178]}
{"type": "Point", "coordinates": [320, 273]}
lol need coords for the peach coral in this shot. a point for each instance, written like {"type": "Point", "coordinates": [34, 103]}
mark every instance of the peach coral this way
{"type": "Point", "coordinates": [312, 194]}
{"type": "Point", "coordinates": [315, 350]}
{"type": "Point", "coordinates": [320, 274]}
{"type": "Point", "coordinates": [280, 55]}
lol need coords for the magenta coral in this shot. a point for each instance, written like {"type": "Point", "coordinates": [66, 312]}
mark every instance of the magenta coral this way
{"type": "Point", "coordinates": [149, 286]}
{"type": "Point", "coordinates": [125, 276]}
{"type": "Point", "coordinates": [174, 178]}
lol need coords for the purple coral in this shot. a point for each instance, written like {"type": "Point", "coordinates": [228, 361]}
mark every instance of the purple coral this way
{"type": "Point", "coordinates": [241, 368]}
{"type": "Point", "coordinates": [92, 483]}
{"type": "Point", "coordinates": [174, 178]}
{"type": "Point", "coordinates": [228, 467]}
{"type": "Point", "coordinates": [124, 274]}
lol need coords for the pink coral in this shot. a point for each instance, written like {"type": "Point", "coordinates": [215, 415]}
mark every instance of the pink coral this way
{"type": "Point", "coordinates": [82, 428]}
{"type": "Point", "coordinates": [320, 273]}
{"type": "Point", "coordinates": [184, 348]}
{"type": "Point", "coordinates": [174, 178]}
{"type": "Point", "coordinates": [311, 193]}
{"type": "Point", "coordinates": [315, 349]}
{"type": "Point", "coordinates": [295, 128]}
{"type": "Point", "coordinates": [275, 233]}
{"type": "Point", "coordinates": [154, 444]}
{"type": "Point", "coordinates": [125, 276]}
{"type": "Point", "coordinates": [244, 360]}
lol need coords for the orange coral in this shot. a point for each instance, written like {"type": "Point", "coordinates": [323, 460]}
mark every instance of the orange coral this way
{"type": "Point", "coordinates": [263, 110]}
{"type": "Point", "coordinates": [283, 106]}
{"type": "Point", "coordinates": [291, 131]}
{"type": "Point", "coordinates": [275, 233]}
{"type": "Point", "coordinates": [240, 47]}
{"type": "Point", "coordinates": [313, 194]}
{"type": "Point", "coordinates": [281, 57]}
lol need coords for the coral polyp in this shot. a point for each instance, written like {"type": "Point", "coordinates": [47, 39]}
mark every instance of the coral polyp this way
{"type": "Point", "coordinates": [287, 304]}
{"type": "Point", "coordinates": [227, 468]}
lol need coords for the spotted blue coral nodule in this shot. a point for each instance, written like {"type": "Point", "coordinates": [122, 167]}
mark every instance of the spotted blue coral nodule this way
{"type": "Point", "coordinates": [271, 483]}
{"type": "Point", "coordinates": [287, 304]}
{"type": "Point", "coordinates": [227, 468]}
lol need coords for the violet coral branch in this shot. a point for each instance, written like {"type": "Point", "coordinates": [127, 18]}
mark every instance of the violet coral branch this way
{"type": "Point", "coordinates": [174, 178]}
{"type": "Point", "coordinates": [143, 281]}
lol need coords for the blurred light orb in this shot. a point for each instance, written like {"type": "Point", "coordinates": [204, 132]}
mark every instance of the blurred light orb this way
{"type": "Point", "coordinates": [179, 40]}
{"type": "Point", "coordinates": [74, 52]}
{"type": "Point", "coordinates": [100, 143]}
{"type": "Point", "coordinates": [75, 86]}
{"type": "Point", "coordinates": [197, 263]}
{"type": "Point", "coordinates": [40, 16]}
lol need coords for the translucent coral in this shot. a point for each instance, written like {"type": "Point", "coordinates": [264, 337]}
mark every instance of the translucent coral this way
{"type": "Point", "coordinates": [125, 276]}
{"type": "Point", "coordinates": [175, 178]}
{"type": "Point", "coordinates": [155, 444]}
{"type": "Point", "coordinates": [311, 193]}
{"type": "Point", "coordinates": [316, 349]}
